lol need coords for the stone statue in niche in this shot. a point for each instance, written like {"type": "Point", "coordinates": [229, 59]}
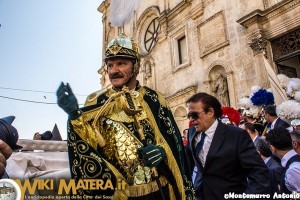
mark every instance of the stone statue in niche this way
{"type": "Point", "coordinates": [147, 70]}
{"type": "Point", "coordinates": [148, 74]}
{"type": "Point", "coordinates": [220, 87]}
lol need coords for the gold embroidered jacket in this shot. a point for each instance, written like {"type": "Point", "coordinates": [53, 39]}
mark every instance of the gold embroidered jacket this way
{"type": "Point", "coordinates": [103, 142]}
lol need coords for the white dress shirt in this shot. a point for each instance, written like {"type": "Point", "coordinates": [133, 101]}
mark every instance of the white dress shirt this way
{"type": "Point", "coordinates": [266, 160]}
{"type": "Point", "coordinates": [290, 129]}
{"type": "Point", "coordinates": [292, 175]}
{"type": "Point", "coordinates": [273, 123]}
{"type": "Point", "coordinates": [207, 141]}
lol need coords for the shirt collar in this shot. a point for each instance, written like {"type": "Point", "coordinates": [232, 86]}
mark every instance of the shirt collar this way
{"type": "Point", "coordinates": [255, 138]}
{"type": "Point", "coordinates": [267, 160]}
{"type": "Point", "coordinates": [287, 156]}
{"type": "Point", "coordinates": [212, 129]}
{"type": "Point", "coordinates": [273, 123]}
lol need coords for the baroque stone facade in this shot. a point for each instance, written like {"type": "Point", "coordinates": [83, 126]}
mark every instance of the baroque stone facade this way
{"type": "Point", "coordinates": [186, 43]}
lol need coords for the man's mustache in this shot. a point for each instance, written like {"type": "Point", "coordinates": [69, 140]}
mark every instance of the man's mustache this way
{"type": "Point", "coordinates": [116, 76]}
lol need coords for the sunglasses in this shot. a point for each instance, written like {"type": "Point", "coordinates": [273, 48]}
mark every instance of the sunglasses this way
{"type": "Point", "coordinates": [194, 115]}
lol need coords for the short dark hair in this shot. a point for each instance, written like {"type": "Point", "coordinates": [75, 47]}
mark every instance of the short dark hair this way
{"type": "Point", "coordinates": [280, 138]}
{"type": "Point", "coordinates": [263, 147]}
{"type": "Point", "coordinates": [296, 135]}
{"type": "Point", "coordinates": [46, 135]}
{"type": "Point", "coordinates": [249, 126]}
{"type": "Point", "coordinates": [271, 110]}
{"type": "Point", "coordinates": [208, 101]}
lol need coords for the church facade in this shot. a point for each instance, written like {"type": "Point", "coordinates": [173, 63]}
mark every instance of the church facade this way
{"type": "Point", "coordinates": [212, 46]}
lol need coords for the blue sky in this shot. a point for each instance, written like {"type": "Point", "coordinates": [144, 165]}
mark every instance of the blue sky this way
{"type": "Point", "coordinates": [44, 42]}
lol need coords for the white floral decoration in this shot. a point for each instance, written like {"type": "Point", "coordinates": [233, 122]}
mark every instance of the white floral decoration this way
{"type": "Point", "coordinates": [297, 96]}
{"type": "Point", "coordinates": [254, 111]}
{"type": "Point", "coordinates": [289, 110]}
{"type": "Point", "coordinates": [245, 102]}
{"type": "Point", "coordinates": [293, 85]}
{"type": "Point", "coordinates": [283, 80]}
{"type": "Point", "coordinates": [255, 88]}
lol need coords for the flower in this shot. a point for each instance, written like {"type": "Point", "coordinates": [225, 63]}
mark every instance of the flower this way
{"type": "Point", "coordinates": [283, 80]}
{"type": "Point", "coordinates": [289, 110]}
{"type": "Point", "coordinates": [262, 97]}
{"type": "Point", "coordinates": [255, 88]}
{"type": "Point", "coordinates": [245, 102]}
{"type": "Point", "coordinates": [232, 114]}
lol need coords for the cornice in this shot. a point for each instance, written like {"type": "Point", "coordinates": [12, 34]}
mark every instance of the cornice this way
{"type": "Point", "coordinates": [178, 8]}
{"type": "Point", "coordinates": [260, 17]}
{"type": "Point", "coordinates": [197, 11]}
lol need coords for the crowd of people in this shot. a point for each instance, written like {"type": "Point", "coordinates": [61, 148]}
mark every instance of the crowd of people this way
{"type": "Point", "coordinates": [275, 140]}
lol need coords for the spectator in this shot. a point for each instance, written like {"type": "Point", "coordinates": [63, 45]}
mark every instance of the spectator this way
{"type": "Point", "coordinates": [184, 136]}
{"type": "Point", "coordinates": [295, 135]}
{"type": "Point", "coordinates": [44, 136]}
{"type": "Point", "coordinates": [281, 145]}
{"type": "Point", "coordinates": [273, 120]}
{"type": "Point", "coordinates": [226, 158]}
{"type": "Point", "coordinates": [8, 142]}
{"type": "Point", "coordinates": [275, 168]}
{"type": "Point", "coordinates": [250, 128]}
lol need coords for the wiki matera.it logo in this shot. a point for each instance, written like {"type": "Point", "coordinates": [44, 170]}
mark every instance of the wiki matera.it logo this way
{"type": "Point", "coordinates": [9, 190]}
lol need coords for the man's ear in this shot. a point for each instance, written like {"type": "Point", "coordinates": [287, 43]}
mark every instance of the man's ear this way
{"type": "Point", "coordinates": [295, 144]}
{"type": "Point", "coordinates": [259, 152]}
{"type": "Point", "coordinates": [273, 149]}
{"type": "Point", "coordinates": [211, 112]}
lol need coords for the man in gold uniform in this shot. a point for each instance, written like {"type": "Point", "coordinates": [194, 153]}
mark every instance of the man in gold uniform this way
{"type": "Point", "coordinates": [126, 133]}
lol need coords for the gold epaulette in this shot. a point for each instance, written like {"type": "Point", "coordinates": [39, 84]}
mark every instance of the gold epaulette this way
{"type": "Point", "coordinates": [92, 98]}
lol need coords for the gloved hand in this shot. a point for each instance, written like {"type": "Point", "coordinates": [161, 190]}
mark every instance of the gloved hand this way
{"type": "Point", "coordinates": [67, 101]}
{"type": "Point", "coordinates": [152, 155]}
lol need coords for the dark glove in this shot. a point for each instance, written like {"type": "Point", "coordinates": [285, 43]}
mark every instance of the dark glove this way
{"type": "Point", "coordinates": [152, 155]}
{"type": "Point", "coordinates": [67, 101]}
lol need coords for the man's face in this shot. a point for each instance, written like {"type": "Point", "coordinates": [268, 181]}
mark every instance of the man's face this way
{"type": "Point", "coordinates": [199, 118]}
{"type": "Point", "coordinates": [267, 117]}
{"type": "Point", "coordinates": [295, 143]}
{"type": "Point", "coordinates": [274, 150]}
{"type": "Point", "coordinates": [185, 132]}
{"type": "Point", "coordinates": [120, 71]}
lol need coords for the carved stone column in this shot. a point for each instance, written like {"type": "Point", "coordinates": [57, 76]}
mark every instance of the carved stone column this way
{"type": "Point", "coordinates": [232, 99]}
{"type": "Point", "coordinates": [258, 43]}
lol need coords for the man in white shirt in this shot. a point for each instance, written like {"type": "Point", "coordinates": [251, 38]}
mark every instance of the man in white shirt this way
{"type": "Point", "coordinates": [296, 140]}
{"type": "Point", "coordinates": [225, 156]}
{"type": "Point", "coordinates": [253, 133]}
{"type": "Point", "coordinates": [275, 168]}
{"type": "Point", "coordinates": [281, 146]}
{"type": "Point", "coordinates": [272, 118]}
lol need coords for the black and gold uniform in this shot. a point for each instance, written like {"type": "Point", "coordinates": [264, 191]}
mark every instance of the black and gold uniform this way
{"type": "Point", "coordinates": [103, 144]}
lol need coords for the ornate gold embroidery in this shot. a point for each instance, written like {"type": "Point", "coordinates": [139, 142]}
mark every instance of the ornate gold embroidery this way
{"type": "Point", "coordinates": [171, 162]}
{"type": "Point", "coordinates": [89, 165]}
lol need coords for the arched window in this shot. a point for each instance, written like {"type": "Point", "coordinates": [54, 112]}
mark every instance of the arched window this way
{"type": "Point", "coordinates": [151, 34]}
